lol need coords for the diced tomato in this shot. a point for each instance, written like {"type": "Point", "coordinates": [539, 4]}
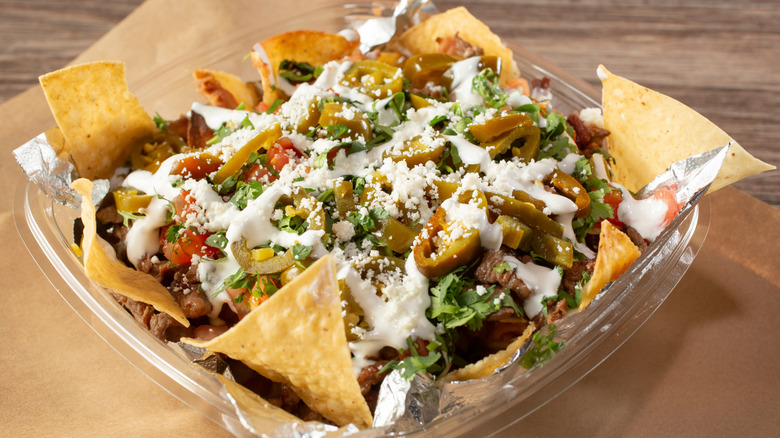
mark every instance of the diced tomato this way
{"type": "Point", "coordinates": [262, 107]}
{"type": "Point", "coordinates": [614, 198]}
{"type": "Point", "coordinates": [279, 156]}
{"type": "Point", "coordinates": [673, 207]}
{"type": "Point", "coordinates": [188, 244]}
{"type": "Point", "coordinates": [196, 166]}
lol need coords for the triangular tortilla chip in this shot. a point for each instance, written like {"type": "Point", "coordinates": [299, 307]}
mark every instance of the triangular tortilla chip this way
{"type": "Point", "coordinates": [422, 38]}
{"type": "Point", "coordinates": [314, 47]}
{"type": "Point", "coordinates": [114, 275]}
{"type": "Point", "coordinates": [649, 131]}
{"type": "Point", "coordinates": [297, 337]}
{"type": "Point", "coordinates": [616, 253]}
{"type": "Point", "coordinates": [99, 118]}
{"type": "Point", "coordinates": [488, 365]}
{"type": "Point", "coordinates": [225, 90]}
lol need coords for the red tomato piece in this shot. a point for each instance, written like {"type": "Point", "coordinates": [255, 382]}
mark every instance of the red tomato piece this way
{"type": "Point", "coordinates": [669, 198]}
{"type": "Point", "coordinates": [614, 198]}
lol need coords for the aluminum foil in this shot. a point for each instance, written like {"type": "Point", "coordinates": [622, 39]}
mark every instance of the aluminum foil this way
{"type": "Point", "coordinates": [403, 405]}
{"type": "Point", "coordinates": [53, 175]}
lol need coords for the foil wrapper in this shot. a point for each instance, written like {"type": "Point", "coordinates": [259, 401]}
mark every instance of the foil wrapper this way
{"type": "Point", "coordinates": [415, 405]}
{"type": "Point", "coordinates": [52, 175]}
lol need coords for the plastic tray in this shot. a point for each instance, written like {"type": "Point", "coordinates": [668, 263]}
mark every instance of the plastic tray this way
{"type": "Point", "coordinates": [591, 336]}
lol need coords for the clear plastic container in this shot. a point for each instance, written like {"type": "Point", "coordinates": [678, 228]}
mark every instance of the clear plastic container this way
{"type": "Point", "coordinates": [591, 336]}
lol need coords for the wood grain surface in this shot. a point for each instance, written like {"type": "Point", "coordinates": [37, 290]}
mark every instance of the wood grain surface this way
{"type": "Point", "coordinates": [719, 57]}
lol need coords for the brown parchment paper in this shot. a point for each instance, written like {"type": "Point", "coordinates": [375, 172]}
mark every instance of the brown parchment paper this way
{"type": "Point", "coordinates": [706, 364]}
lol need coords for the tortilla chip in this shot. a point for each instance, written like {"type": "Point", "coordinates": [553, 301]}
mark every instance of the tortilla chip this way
{"type": "Point", "coordinates": [100, 120]}
{"type": "Point", "coordinates": [422, 38]}
{"type": "Point", "coordinates": [225, 90]}
{"type": "Point", "coordinates": [649, 131]}
{"type": "Point", "coordinates": [488, 365]}
{"type": "Point", "coordinates": [297, 337]}
{"type": "Point", "coordinates": [56, 140]}
{"type": "Point", "coordinates": [114, 275]}
{"type": "Point", "coordinates": [616, 252]}
{"type": "Point", "coordinates": [314, 47]}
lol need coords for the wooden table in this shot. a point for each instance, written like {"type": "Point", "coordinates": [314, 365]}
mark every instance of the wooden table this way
{"type": "Point", "coordinates": [719, 57]}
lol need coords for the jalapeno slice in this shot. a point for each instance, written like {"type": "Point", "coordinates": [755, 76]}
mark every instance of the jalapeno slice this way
{"type": "Point", "coordinates": [416, 151]}
{"type": "Point", "coordinates": [263, 140]}
{"type": "Point", "coordinates": [337, 113]}
{"type": "Point", "coordinates": [128, 200]}
{"type": "Point", "coordinates": [572, 189]}
{"type": "Point", "coordinates": [373, 78]}
{"type": "Point", "coordinates": [428, 67]}
{"type": "Point", "coordinates": [497, 126]}
{"type": "Point", "coordinates": [523, 141]}
{"type": "Point", "coordinates": [433, 261]}
{"type": "Point", "coordinates": [250, 265]}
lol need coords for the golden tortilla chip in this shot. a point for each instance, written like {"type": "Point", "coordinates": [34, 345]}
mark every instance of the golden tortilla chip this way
{"type": "Point", "coordinates": [649, 131]}
{"type": "Point", "coordinates": [100, 120]}
{"type": "Point", "coordinates": [56, 140]}
{"type": "Point", "coordinates": [314, 47]}
{"type": "Point", "coordinates": [225, 90]}
{"type": "Point", "coordinates": [488, 365]}
{"type": "Point", "coordinates": [297, 337]}
{"type": "Point", "coordinates": [616, 253]}
{"type": "Point", "coordinates": [422, 38]}
{"type": "Point", "coordinates": [114, 275]}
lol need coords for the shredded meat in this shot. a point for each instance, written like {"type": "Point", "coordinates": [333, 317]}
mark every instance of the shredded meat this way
{"type": "Point", "coordinates": [198, 132]}
{"type": "Point", "coordinates": [159, 269]}
{"type": "Point", "coordinates": [637, 238]}
{"type": "Point", "coordinates": [161, 325]}
{"type": "Point", "coordinates": [487, 274]}
{"type": "Point", "coordinates": [557, 311]}
{"type": "Point", "coordinates": [369, 376]}
{"type": "Point", "coordinates": [574, 274]}
{"type": "Point", "coordinates": [458, 46]}
{"type": "Point", "coordinates": [180, 126]}
{"type": "Point", "coordinates": [185, 290]}
{"type": "Point", "coordinates": [588, 137]}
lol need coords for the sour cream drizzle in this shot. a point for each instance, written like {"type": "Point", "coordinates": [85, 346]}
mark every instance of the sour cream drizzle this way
{"type": "Point", "coordinates": [541, 280]}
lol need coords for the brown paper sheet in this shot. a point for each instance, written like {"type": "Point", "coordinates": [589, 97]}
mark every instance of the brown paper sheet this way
{"type": "Point", "coordinates": [706, 364]}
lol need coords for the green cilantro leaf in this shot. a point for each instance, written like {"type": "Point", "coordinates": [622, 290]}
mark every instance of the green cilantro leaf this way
{"type": "Point", "coordinates": [161, 123]}
{"type": "Point", "coordinates": [127, 217]}
{"type": "Point", "coordinates": [274, 106]}
{"type": "Point", "coordinates": [544, 348]}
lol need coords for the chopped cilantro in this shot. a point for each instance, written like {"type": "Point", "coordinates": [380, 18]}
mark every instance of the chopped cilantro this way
{"type": "Point", "coordinates": [301, 251]}
{"type": "Point", "coordinates": [415, 363]}
{"type": "Point", "coordinates": [245, 192]}
{"type": "Point", "coordinates": [455, 303]}
{"type": "Point", "coordinates": [217, 240]}
{"type": "Point", "coordinates": [246, 123]}
{"type": "Point", "coordinates": [337, 131]}
{"type": "Point", "coordinates": [486, 85]}
{"type": "Point", "coordinates": [127, 217]}
{"type": "Point", "coordinates": [503, 267]}
{"type": "Point", "coordinates": [274, 106]}
{"type": "Point", "coordinates": [161, 123]}
{"type": "Point", "coordinates": [220, 134]}
{"type": "Point", "coordinates": [172, 233]}
{"type": "Point", "coordinates": [544, 348]}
